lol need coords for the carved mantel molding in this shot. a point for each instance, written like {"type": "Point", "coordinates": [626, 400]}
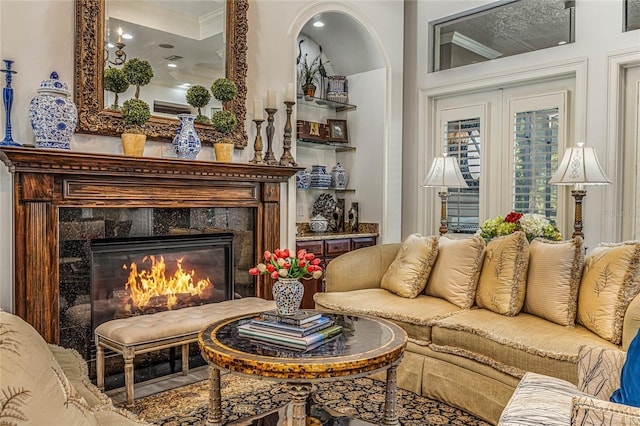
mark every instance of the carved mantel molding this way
{"type": "Point", "coordinates": [47, 179]}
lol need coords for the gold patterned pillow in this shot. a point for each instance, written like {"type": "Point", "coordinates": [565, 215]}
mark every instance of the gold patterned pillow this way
{"type": "Point", "coordinates": [502, 284]}
{"type": "Point", "coordinates": [407, 275]}
{"type": "Point", "coordinates": [610, 281]}
{"type": "Point", "coordinates": [555, 269]}
{"type": "Point", "coordinates": [455, 274]}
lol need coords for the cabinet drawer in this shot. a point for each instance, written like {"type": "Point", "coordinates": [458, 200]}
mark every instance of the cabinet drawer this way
{"type": "Point", "coordinates": [337, 247]}
{"type": "Point", "coordinates": [363, 242]}
{"type": "Point", "coordinates": [315, 247]}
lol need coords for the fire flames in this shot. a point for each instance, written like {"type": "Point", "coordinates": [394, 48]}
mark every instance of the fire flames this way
{"type": "Point", "coordinates": [148, 287]}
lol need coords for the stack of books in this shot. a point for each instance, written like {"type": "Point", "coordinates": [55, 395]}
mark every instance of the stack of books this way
{"type": "Point", "coordinates": [303, 331]}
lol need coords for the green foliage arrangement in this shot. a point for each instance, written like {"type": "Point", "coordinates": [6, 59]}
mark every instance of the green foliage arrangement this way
{"type": "Point", "coordinates": [115, 80]}
{"type": "Point", "coordinates": [308, 72]}
{"type": "Point", "coordinates": [224, 121]}
{"type": "Point", "coordinates": [198, 97]}
{"type": "Point", "coordinates": [135, 113]}
{"type": "Point", "coordinates": [224, 89]}
{"type": "Point", "coordinates": [138, 72]}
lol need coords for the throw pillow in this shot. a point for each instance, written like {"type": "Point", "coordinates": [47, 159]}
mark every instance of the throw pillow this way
{"type": "Point", "coordinates": [629, 392]}
{"type": "Point", "coordinates": [407, 275]}
{"type": "Point", "coordinates": [455, 274]}
{"type": "Point", "coordinates": [555, 269]}
{"type": "Point", "coordinates": [502, 284]}
{"type": "Point", "coordinates": [610, 281]}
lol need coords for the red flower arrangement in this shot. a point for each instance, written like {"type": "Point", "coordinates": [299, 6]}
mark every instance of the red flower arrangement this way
{"type": "Point", "coordinates": [513, 217]}
{"type": "Point", "coordinates": [285, 264]}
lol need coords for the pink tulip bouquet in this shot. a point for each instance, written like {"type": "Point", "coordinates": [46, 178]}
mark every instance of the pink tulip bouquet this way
{"type": "Point", "coordinates": [285, 264]}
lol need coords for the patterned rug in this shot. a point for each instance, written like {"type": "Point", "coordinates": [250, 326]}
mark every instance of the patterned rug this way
{"type": "Point", "coordinates": [243, 398]}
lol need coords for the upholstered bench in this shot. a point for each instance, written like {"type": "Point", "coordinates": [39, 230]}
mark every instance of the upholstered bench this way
{"type": "Point", "coordinates": [146, 333]}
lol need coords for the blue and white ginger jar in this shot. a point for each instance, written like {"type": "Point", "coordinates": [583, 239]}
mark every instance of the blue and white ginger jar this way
{"type": "Point", "coordinates": [53, 115]}
{"type": "Point", "coordinates": [339, 177]}
{"type": "Point", "coordinates": [303, 179]}
{"type": "Point", "coordinates": [187, 141]}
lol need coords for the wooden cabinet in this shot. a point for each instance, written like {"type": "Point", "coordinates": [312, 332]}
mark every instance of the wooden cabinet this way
{"type": "Point", "coordinates": [327, 250]}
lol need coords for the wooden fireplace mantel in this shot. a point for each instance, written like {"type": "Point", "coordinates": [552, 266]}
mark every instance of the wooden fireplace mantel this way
{"type": "Point", "coordinates": [45, 180]}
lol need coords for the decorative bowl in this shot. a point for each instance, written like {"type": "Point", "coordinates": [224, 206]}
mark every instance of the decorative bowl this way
{"type": "Point", "coordinates": [318, 224]}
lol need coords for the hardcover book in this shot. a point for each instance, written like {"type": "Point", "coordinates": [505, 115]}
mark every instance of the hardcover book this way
{"type": "Point", "coordinates": [300, 317]}
{"type": "Point", "coordinates": [303, 342]}
{"type": "Point", "coordinates": [294, 330]}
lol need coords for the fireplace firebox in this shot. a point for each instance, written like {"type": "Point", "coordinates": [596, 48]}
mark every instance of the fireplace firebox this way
{"type": "Point", "coordinates": [143, 275]}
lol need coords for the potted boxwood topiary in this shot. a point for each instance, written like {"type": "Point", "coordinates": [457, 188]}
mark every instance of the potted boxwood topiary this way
{"type": "Point", "coordinates": [198, 97]}
{"type": "Point", "coordinates": [115, 80]}
{"type": "Point", "coordinates": [224, 121]}
{"type": "Point", "coordinates": [138, 72]}
{"type": "Point", "coordinates": [135, 113]}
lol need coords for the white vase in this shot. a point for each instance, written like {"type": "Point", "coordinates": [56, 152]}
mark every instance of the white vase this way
{"type": "Point", "coordinates": [287, 292]}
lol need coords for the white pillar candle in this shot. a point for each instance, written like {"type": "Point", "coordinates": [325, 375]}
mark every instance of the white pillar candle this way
{"type": "Point", "coordinates": [290, 95]}
{"type": "Point", "coordinates": [271, 99]}
{"type": "Point", "coordinates": [258, 112]}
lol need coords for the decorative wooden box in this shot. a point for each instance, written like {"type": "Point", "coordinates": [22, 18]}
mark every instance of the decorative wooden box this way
{"type": "Point", "coordinates": [312, 131]}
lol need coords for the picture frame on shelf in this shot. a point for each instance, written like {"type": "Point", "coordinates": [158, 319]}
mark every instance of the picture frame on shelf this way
{"type": "Point", "coordinates": [338, 130]}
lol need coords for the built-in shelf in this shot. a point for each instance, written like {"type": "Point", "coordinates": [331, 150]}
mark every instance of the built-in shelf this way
{"type": "Point", "coordinates": [324, 103]}
{"type": "Point", "coordinates": [337, 147]}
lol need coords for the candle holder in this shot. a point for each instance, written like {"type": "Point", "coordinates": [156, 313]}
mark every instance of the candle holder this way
{"type": "Point", "coordinates": [257, 144]}
{"type": "Point", "coordinates": [287, 159]}
{"type": "Point", "coordinates": [7, 97]}
{"type": "Point", "coordinates": [269, 157]}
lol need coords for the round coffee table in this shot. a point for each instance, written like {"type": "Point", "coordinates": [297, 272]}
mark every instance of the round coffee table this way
{"type": "Point", "coordinates": [367, 344]}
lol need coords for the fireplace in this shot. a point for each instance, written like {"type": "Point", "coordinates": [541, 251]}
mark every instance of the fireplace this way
{"type": "Point", "coordinates": [140, 276]}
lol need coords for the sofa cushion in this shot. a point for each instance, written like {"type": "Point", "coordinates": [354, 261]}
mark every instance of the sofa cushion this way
{"type": "Point", "coordinates": [553, 279]}
{"type": "Point", "coordinates": [526, 341]}
{"type": "Point", "coordinates": [33, 384]}
{"type": "Point", "coordinates": [407, 275]}
{"type": "Point", "coordinates": [455, 274]}
{"type": "Point", "coordinates": [413, 315]}
{"type": "Point", "coordinates": [540, 400]}
{"type": "Point", "coordinates": [502, 284]}
{"type": "Point", "coordinates": [610, 281]}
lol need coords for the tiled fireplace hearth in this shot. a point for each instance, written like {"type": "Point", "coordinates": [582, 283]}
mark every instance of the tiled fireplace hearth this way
{"type": "Point", "coordinates": [54, 189]}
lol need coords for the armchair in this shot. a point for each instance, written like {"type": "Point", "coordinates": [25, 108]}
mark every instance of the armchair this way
{"type": "Point", "coordinates": [541, 399]}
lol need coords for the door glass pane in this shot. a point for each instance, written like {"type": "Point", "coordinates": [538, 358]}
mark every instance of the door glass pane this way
{"type": "Point", "coordinates": [631, 15]}
{"type": "Point", "coordinates": [535, 160]}
{"type": "Point", "coordinates": [462, 140]}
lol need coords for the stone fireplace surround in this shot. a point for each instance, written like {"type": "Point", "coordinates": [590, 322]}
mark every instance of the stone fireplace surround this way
{"type": "Point", "coordinates": [46, 180]}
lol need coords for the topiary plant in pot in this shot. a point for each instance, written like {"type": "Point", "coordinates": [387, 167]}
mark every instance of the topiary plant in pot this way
{"type": "Point", "coordinates": [115, 80]}
{"type": "Point", "coordinates": [198, 97]}
{"type": "Point", "coordinates": [224, 121]}
{"type": "Point", "coordinates": [138, 72]}
{"type": "Point", "coordinates": [135, 113]}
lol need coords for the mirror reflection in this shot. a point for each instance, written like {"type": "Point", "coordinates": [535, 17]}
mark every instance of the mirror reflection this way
{"type": "Point", "coordinates": [183, 41]}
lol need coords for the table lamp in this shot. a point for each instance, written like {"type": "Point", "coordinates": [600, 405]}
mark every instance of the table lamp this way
{"type": "Point", "coordinates": [579, 167]}
{"type": "Point", "coordinates": [445, 173]}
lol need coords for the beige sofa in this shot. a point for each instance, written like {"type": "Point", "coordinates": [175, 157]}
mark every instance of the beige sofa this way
{"type": "Point", "coordinates": [473, 358]}
{"type": "Point", "coordinates": [44, 384]}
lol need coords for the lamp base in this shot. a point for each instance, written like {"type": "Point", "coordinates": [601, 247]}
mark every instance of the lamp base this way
{"type": "Point", "coordinates": [578, 194]}
{"type": "Point", "coordinates": [443, 212]}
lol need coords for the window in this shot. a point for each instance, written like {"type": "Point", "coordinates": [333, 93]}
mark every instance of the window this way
{"type": "Point", "coordinates": [462, 140]}
{"type": "Point", "coordinates": [535, 160]}
{"type": "Point", "coordinates": [501, 29]}
{"type": "Point", "coordinates": [631, 15]}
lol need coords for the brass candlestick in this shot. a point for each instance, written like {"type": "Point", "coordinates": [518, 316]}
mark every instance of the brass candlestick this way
{"type": "Point", "coordinates": [287, 159]}
{"type": "Point", "coordinates": [269, 157]}
{"type": "Point", "coordinates": [257, 144]}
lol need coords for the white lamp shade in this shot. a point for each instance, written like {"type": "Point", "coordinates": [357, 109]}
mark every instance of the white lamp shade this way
{"type": "Point", "coordinates": [579, 166]}
{"type": "Point", "coordinates": [445, 172]}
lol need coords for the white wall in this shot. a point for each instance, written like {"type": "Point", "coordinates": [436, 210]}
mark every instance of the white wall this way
{"type": "Point", "coordinates": [598, 34]}
{"type": "Point", "coordinates": [38, 36]}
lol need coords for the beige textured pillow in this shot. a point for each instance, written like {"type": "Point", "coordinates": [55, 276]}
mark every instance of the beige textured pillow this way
{"type": "Point", "coordinates": [553, 279]}
{"type": "Point", "coordinates": [455, 274]}
{"type": "Point", "coordinates": [502, 284]}
{"type": "Point", "coordinates": [407, 275]}
{"type": "Point", "coordinates": [611, 279]}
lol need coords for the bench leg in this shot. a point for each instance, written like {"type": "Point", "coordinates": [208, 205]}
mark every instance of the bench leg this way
{"type": "Point", "coordinates": [129, 354]}
{"type": "Point", "coordinates": [185, 359]}
{"type": "Point", "coordinates": [99, 364]}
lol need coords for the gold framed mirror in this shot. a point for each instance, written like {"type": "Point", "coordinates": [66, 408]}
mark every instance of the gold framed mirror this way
{"type": "Point", "coordinates": [89, 96]}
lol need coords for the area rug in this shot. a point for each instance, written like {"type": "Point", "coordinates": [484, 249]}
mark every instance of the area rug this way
{"type": "Point", "coordinates": [243, 398]}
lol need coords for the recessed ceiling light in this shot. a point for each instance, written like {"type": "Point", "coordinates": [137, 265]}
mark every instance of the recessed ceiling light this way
{"type": "Point", "coordinates": [127, 36]}
{"type": "Point", "coordinates": [560, 43]}
{"type": "Point", "coordinates": [318, 24]}
{"type": "Point", "coordinates": [172, 65]}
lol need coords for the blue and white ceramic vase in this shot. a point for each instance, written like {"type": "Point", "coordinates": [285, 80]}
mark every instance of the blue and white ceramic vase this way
{"type": "Point", "coordinates": [53, 115]}
{"type": "Point", "coordinates": [339, 177]}
{"type": "Point", "coordinates": [320, 178]}
{"type": "Point", "coordinates": [187, 141]}
{"type": "Point", "coordinates": [303, 179]}
{"type": "Point", "coordinates": [287, 292]}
